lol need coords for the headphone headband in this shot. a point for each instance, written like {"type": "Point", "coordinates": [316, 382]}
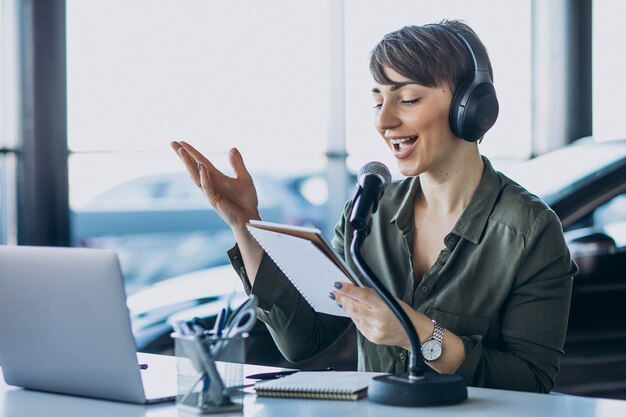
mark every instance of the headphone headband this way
{"type": "Point", "coordinates": [474, 48]}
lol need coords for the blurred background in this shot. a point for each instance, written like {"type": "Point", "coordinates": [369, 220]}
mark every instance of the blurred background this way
{"type": "Point", "coordinates": [93, 92]}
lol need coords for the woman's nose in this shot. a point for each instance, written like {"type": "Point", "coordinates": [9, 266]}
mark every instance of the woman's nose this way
{"type": "Point", "coordinates": [387, 118]}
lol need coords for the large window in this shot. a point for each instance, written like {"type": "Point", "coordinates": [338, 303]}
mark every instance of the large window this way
{"type": "Point", "coordinates": [255, 75]}
{"type": "Point", "coordinates": [609, 58]}
{"type": "Point", "coordinates": [217, 74]}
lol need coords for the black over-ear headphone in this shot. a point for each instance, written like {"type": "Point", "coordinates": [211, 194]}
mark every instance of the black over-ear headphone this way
{"type": "Point", "coordinates": [474, 107]}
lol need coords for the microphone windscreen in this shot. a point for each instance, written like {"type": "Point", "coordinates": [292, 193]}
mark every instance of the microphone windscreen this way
{"type": "Point", "coordinates": [376, 168]}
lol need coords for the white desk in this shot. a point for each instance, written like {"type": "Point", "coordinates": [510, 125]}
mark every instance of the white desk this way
{"type": "Point", "coordinates": [17, 402]}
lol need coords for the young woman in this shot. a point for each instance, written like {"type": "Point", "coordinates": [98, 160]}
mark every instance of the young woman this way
{"type": "Point", "coordinates": [478, 263]}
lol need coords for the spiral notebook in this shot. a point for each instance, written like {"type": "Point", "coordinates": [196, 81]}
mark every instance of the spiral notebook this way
{"type": "Point", "coordinates": [318, 385]}
{"type": "Point", "coordinates": [307, 259]}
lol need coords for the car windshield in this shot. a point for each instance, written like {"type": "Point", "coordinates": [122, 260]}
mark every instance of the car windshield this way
{"type": "Point", "coordinates": [551, 175]}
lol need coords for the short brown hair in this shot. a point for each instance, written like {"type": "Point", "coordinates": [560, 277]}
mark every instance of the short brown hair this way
{"type": "Point", "coordinates": [431, 55]}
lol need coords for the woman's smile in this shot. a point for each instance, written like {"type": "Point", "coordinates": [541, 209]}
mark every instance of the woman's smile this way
{"type": "Point", "coordinates": [402, 147]}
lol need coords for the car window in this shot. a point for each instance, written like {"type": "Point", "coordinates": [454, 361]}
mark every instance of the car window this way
{"type": "Point", "coordinates": [130, 196]}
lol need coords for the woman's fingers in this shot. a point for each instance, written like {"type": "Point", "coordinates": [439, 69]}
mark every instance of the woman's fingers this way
{"type": "Point", "coordinates": [175, 145]}
{"type": "Point", "coordinates": [198, 157]}
{"type": "Point", "coordinates": [206, 184]}
{"type": "Point", "coordinates": [366, 296]}
{"type": "Point", "coordinates": [370, 314]}
{"type": "Point", "coordinates": [234, 199]}
{"type": "Point", "coordinates": [236, 161]}
{"type": "Point", "coordinates": [193, 159]}
{"type": "Point", "coordinates": [190, 164]}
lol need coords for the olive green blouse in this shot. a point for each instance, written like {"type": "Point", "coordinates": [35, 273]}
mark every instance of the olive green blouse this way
{"type": "Point", "coordinates": [502, 283]}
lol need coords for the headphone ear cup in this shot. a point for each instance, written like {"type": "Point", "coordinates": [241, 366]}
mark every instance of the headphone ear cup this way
{"type": "Point", "coordinates": [474, 110]}
{"type": "Point", "coordinates": [457, 111]}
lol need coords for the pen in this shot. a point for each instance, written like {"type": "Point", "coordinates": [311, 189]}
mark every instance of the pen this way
{"type": "Point", "coordinates": [182, 327]}
{"type": "Point", "coordinates": [280, 374]}
{"type": "Point", "coordinates": [220, 320]}
{"type": "Point", "coordinates": [198, 323]}
{"type": "Point", "coordinates": [212, 384]}
{"type": "Point", "coordinates": [206, 384]}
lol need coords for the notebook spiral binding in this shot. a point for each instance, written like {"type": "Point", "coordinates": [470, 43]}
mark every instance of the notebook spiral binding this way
{"type": "Point", "coordinates": [313, 394]}
{"type": "Point", "coordinates": [297, 287]}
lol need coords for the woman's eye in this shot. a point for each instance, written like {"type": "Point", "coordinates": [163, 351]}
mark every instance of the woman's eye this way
{"type": "Point", "coordinates": [378, 106]}
{"type": "Point", "coordinates": [410, 101]}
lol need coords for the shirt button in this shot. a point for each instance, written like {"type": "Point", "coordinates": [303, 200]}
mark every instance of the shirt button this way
{"type": "Point", "coordinates": [424, 289]}
{"type": "Point", "coordinates": [402, 355]}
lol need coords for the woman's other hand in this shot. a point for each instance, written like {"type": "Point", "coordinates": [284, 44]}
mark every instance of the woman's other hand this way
{"type": "Point", "coordinates": [234, 199]}
{"type": "Point", "coordinates": [371, 315]}
{"type": "Point", "coordinates": [379, 325]}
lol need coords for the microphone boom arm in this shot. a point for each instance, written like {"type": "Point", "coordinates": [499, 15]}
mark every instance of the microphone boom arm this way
{"type": "Point", "coordinates": [416, 360]}
{"type": "Point", "coordinates": [416, 387]}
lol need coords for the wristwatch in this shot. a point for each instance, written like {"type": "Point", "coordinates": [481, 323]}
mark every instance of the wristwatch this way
{"type": "Point", "coordinates": [433, 347]}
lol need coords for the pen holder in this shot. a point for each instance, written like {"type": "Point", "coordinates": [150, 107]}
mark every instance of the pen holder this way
{"type": "Point", "coordinates": [210, 373]}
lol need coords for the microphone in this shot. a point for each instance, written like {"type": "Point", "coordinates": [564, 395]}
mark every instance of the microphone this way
{"type": "Point", "coordinates": [373, 179]}
{"type": "Point", "coordinates": [414, 388]}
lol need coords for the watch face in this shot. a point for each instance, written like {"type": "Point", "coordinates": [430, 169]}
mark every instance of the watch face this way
{"type": "Point", "coordinates": [431, 350]}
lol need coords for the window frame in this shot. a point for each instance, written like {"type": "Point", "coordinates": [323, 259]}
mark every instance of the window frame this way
{"type": "Point", "coordinates": [42, 214]}
{"type": "Point", "coordinates": [42, 153]}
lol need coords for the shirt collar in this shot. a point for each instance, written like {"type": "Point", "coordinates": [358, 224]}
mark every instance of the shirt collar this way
{"type": "Point", "coordinates": [472, 222]}
{"type": "Point", "coordinates": [404, 215]}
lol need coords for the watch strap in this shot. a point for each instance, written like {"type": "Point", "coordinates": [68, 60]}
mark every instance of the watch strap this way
{"type": "Point", "coordinates": [437, 332]}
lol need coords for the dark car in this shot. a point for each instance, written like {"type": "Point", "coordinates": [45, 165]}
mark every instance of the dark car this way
{"type": "Point", "coordinates": [162, 226]}
{"type": "Point", "coordinates": [585, 184]}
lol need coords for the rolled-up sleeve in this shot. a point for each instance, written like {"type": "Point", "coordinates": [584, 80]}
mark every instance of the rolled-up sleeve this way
{"type": "Point", "coordinates": [299, 332]}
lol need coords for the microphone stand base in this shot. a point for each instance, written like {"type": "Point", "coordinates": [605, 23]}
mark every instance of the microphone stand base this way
{"type": "Point", "coordinates": [432, 390]}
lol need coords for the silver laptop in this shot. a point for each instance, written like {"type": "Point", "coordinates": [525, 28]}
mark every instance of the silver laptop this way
{"type": "Point", "coordinates": [65, 327]}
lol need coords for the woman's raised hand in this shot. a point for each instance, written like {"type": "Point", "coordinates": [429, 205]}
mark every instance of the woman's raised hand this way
{"type": "Point", "coordinates": [234, 199]}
